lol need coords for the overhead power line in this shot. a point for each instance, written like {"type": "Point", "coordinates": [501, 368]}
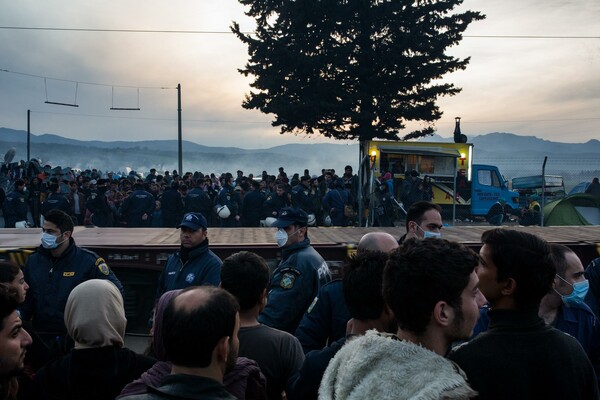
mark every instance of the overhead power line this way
{"type": "Point", "coordinates": [208, 121]}
{"type": "Point", "coordinates": [195, 32]}
{"type": "Point", "coordinates": [86, 83]}
{"type": "Point", "coordinates": [266, 122]}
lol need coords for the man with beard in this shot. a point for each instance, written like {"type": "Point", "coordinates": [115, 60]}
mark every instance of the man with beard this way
{"type": "Point", "coordinates": [431, 287]}
{"type": "Point", "coordinates": [278, 353]}
{"type": "Point", "coordinates": [363, 275]}
{"type": "Point", "coordinates": [200, 336]}
{"type": "Point", "coordinates": [14, 341]}
{"type": "Point", "coordinates": [520, 356]}
{"type": "Point", "coordinates": [194, 264]}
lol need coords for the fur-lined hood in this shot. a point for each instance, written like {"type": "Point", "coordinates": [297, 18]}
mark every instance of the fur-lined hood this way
{"type": "Point", "coordinates": [380, 367]}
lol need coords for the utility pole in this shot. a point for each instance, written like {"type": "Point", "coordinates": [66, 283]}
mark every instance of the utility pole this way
{"type": "Point", "coordinates": [28, 135]}
{"type": "Point", "coordinates": [180, 165]}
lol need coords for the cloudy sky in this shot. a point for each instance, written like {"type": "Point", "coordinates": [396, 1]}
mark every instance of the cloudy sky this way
{"type": "Point", "coordinates": [535, 70]}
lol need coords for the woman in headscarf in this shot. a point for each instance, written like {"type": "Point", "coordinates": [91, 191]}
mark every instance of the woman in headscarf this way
{"type": "Point", "coordinates": [99, 366]}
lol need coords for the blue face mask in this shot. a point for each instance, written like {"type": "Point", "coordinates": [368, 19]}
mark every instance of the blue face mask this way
{"type": "Point", "coordinates": [577, 296]}
{"type": "Point", "coordinates": [429, 234]}
{"type": "Point", "coordinates": [49, 241]}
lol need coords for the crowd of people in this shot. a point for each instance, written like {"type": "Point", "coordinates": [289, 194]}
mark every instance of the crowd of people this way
{"type": "Point", "coordinates": [99, 199]}
{"type": "Point", "coordinates": [412, 317]}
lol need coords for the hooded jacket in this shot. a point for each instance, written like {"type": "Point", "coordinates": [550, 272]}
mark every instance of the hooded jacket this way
{"type": "Point", "coordinates": [381, 367]}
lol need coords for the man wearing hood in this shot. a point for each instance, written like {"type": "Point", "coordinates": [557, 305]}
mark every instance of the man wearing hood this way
{"type": "Point", "coordinates": [432, 289]}
{"type": "Point", "coordinates": [194, 264]}
{"type": "Point", "coordinates": [297, 278]}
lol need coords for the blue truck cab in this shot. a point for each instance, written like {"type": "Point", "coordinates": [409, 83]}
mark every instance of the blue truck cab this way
{"type": "Point", "coordinates": [487, 186]}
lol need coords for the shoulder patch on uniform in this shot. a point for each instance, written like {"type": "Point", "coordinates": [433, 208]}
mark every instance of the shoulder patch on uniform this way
{"type": "Point", "coordinates": [287, 280]}
{"type": "Point", "coordinates": [101, 264]}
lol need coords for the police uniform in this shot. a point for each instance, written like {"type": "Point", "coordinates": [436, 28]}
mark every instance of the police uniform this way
{"type": "Point", "coordinates": [296, 280]}
{"type": "Point", "coordinates": [302, 198]}
{"type": "Point", "coordinates": [190, 267]}
{"type": "Point", "coordinates": [197, 200]}
{"type": "Point", "coordinates": [138, 203]}
{"type": "Point", "coordinates": [294, 285]}
{"type": "Point", "coordinates": [51, 281]}
{"type": "Point", "coordinates": [14, 208]}
{"type": "Point", "coordinates": [228, 197]}
{"type": "Point", "coordinates": [102, 213]}
{"type": "Point", "coordinates": [202, 268]}
{"type": "Point", "coordinates": [56, 201]}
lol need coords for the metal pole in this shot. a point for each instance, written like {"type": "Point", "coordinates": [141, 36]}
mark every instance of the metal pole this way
{"type": "Point", "coordinates": [28, 135]}
{"type": "Point", "coordinates": [180, 160]}
{"type": "Point", "coordinates": [543, 191]}
{"type": "Point", "coordinates": [454, 193]}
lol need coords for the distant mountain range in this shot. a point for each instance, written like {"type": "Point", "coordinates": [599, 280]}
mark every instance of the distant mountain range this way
{"type": "Point", "coordinates": [514, 155]}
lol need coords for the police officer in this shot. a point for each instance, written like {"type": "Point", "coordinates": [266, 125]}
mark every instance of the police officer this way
{"type": "Point", "coordinates": [102, 212]}
{"type": "Point", "coordinates": [172, 205]}
{"type": "Point", "coordinates": [138, 207]}
{"type": "Point", "coordinates": [15, 205]}
{"type": "Point", "coordinates": [252, 204]}
{"type": "Point", "coordinates": [297, 278]}
{"type": "Point", "coordinates": [193, 264]}
{"type": "Point", "coordinates": [197, 200]}
{"type": "Point", "coordinates": [275, 202]}
{"type": "Point", "coordinates": [53, 271]}
{"type": "Point", "coordinates": [228, 197]}
{"type": "Point", "coordinates": [302, 197]}
{"type": "Point", "coordinates": [56, 200]}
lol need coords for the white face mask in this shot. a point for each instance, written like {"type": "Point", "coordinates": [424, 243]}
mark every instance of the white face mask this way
{"type": "Point", "coordinates": [429, 234]}
{"type": "Point", "coordinates": [281, 236]}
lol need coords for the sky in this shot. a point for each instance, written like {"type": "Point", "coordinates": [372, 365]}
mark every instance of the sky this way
{"type": "Point", "coordinates": [534, 71]}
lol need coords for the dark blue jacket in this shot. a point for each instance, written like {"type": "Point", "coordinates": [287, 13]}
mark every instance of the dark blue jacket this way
{"type": "Point", "coordinates": [228, 197]}
{"type": "Point", "coordinates": [326, 318]}
{"type": "Point", "coordinates": [51, 281]}
{"type": "Point", "coordinates": [294, 285]}
{"type": "Point", "coordinates": [138, 203]}
{"type": "Point", "coordinates": [251, 208]}
{"type": "Point", "coordinates": [202, 268]}
{"type": "Point", "coordinates": [301, 198]}
{"type": "Point", "coordinates": [14, 209]}
{"type": "Point", "coordinates": [56, 201]}
{"type": "Point", "coordinates": [197, 200]}
{"type": "Point", "coordinates": [172, 207]}
{"type": "Point", "coordinates": [333, 203]}
{"type": "Point", "coordinates": [304, 384]}
{"type": "Point", "coordinates": [102, 213]}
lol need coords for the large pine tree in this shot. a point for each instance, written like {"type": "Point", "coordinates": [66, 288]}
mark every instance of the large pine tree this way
{"type": "Point", "coordinates": [352, 69]}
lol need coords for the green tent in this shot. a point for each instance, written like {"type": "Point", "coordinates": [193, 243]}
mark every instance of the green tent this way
{"type": "Point", "coordinates": [576, 209]}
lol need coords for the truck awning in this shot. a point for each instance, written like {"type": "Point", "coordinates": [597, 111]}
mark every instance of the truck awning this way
{"type": "Point", "coordinates": [423, 151]}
